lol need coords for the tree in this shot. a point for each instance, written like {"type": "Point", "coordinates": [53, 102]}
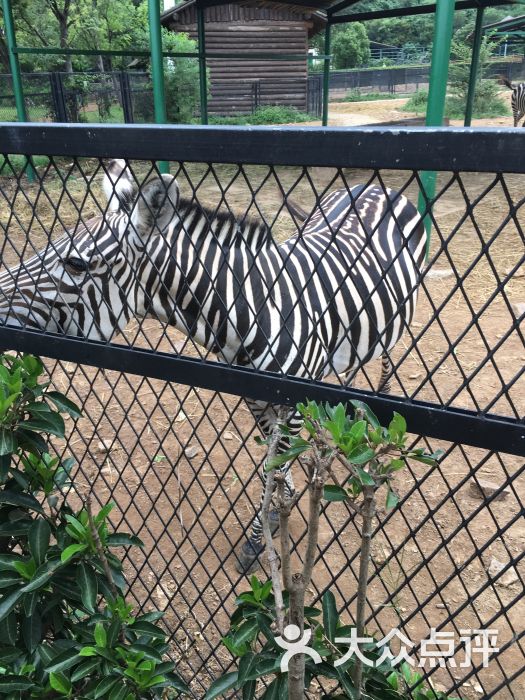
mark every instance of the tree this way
{"type": "Point", "coordinates": [350, 46]}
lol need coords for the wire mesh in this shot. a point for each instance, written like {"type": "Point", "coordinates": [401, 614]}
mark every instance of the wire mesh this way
{"type": "Point", "coordinates": [181, 463]}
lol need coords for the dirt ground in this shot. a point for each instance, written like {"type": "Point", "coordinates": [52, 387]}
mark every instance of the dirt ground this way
{"type": "Point", "coordinates": [384, 111]}
{"type": "Point", "coordinates": [180, 462]}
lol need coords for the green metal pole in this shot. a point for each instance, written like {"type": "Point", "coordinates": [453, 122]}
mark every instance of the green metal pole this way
{"type": "Point", "coordinates": [9, 28]}
{"type": "Point", "coordinates": [202, 64]}
{"type": "Point", "coordinates": [326, 72]}
{"type": "Point", "coordinates": [443, 25]}
{"type": "Point", "coordinates": [478, 35]}
{"type": "Point", "coordinates": [157, 69]}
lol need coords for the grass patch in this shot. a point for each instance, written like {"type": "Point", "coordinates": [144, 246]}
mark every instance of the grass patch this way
{"type": "Point", "coordinates": [15, 164]}
{"type": "Point", "coordinates": [356, 96]}
{"type": "Point", "coordinates": [264, 115]}
{"type": "Point", "coordinates": [455, 106]}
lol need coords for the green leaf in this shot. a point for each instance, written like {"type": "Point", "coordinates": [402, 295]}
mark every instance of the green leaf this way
{"type": "Point", "coordinates": [87, 583]}
{"type": "Point", "coordinates": [247, 632]}
{"type": "Point", "coordinates": [63, 404]}
{"type": "Point", "coordinates": [32, 631]}
{"type": "Point", "coordinates": [60, 683]}
{"type": "Point", "coordinates": [85, 669]}
{"type": "Point", "coordinates": [369, 414]}
{"type": "Point", "coordinates": [272, 692]}
{"type": "Point", "coordinates": [12, 684]}
{"type": "Point", "coordinates": [8, 603]}
{"type": "Point", "coordinates": [9, 628]}
{"type": "Point", "coordinates": [333, 493]}
{"type": "Point", "coordinates": [8, 441]}
{"type": "Point", "coordinates": [398, 425]}
{"type": "Point", "coordinates": [290, 454]}
{"type": "Point", "coordinates": [22, 500]}
{"type": "Point", "coordinates": [246, 667]}
{"type": "Point", "coordinates": [31, 441]}
{"type": "Point", "coordinates": [42, 575]}
{"type": "Point", "coordinates": [221, 685]}
{"type": "Point", "coordinates": [38, 537]}
{"type": "Point", "coordinates": [88, 651]}
{"type": "Point", "coordinates": [392, 499]}
{"type": "Point", "coordinates": [70, 551]}
{"type": "Point", "coordinates": [30, 602]}
{"type": "Point", "coordinates": [63, 661]}
{"type": "Point", "coordinates": [120, 539]}
{"type": "Point", "coordinates": [9, 578]}
{"type": "Point", "coordinates": [366, 478]}
{"type": "Point", "coordinates": [330, 615]}
{"type": "Point", "coordinates": [347, 684]}
{"type": "Point", "coordinates": [51, 423]}
{"type": "Point", "coordinates": [105, 685]}
{"type": "Point", "coordinates": [248, 690]}
{"type": "Point", "coordinates": [146, 649]}
{"type": "Point", "coordinates": [358, 430]}
{"type": "Point", "coordinates": [101, 637]}
{"type": "Point", "coordinates": [360, 454]}
{"type": "Point", "coordinates": [147, 629]}
{"type": "Point", "coordinates": [119, 692]}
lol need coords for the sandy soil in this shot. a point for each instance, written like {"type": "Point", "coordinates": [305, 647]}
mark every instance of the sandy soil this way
{"type": "Point", "coordinates": [180, 462]}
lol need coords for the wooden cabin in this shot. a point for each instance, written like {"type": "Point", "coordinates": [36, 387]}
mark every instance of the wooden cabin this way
{"type": "Point", "coordinates": [240, 85]}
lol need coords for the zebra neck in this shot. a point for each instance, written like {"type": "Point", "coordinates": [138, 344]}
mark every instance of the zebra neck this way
{"type": "Point", "coordinates": [207, 227]}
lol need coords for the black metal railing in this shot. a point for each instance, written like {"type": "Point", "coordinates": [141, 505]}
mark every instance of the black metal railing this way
{"type": "Point", "coordinates": [167, 437]}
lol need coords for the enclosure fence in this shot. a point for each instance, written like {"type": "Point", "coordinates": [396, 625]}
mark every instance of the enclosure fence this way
{"type": "Point", "coordinates": [165, 432]}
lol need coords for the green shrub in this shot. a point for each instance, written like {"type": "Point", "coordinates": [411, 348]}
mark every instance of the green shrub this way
{"type": "Point", "coordinates": [65, 628]}
{"type": "Point", "coordinates": [181, 83]}
{"type": "Point", "coordinates": [272, 114]}
{"type": "Point", "coordinates": [356, 96]}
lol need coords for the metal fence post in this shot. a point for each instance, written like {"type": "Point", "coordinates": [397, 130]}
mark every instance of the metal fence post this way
{"type": "Point", "coordinates": [157, 69]}
{"type": "Point", "coordinates": [14, 64]}
{"type": "Point", "coordinates": [203, 87]}
{"type": "Point", "coordinates": [125, 94]}
{"type": "Point", "coordinates": [57, 93]}
{"type": "Point", "coordinates": [443, 24]}
{"type": "Point", "coordinates": [478, 36]}
{"type": "Point", "coordinates": [326, 72]}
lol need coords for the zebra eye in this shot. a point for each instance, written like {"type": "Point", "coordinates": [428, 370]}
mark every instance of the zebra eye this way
{"type": "Point", "coordinates": [76, 264]}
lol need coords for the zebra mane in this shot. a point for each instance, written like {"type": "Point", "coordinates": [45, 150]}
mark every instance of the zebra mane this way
{"type": "Point", "coordinates": [226, 228]}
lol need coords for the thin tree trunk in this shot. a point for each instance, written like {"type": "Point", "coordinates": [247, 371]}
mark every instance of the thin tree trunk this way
{"type": "Point", "coordinates": [368, 513]}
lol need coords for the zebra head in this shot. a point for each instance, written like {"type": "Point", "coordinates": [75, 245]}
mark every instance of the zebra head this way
{"type": "Point", "coordinates": [91, 281]}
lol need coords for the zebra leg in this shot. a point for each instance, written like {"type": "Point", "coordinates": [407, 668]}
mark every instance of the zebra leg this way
{"type": "Point", "coordinates": [385, 382]}
{"type": "Point", "coordinates": [267, 416]}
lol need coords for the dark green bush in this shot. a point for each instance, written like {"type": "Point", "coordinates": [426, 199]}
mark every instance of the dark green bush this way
{"type": "Point", "coordinates": [65, 628]}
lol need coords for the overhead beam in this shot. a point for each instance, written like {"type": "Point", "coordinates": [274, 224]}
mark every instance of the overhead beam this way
{"type": "Point", "coordinates": [410, 11]}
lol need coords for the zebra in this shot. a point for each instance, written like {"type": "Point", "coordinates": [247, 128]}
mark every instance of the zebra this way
{"type": "Point", "coordinates": [337, 294]}
{"type": "Point", "coordinates": [517, 100]}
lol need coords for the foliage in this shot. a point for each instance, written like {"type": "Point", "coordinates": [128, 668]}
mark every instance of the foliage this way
{"type": "Point", "coordinates": [181, 82]}
{"type": "Point", "coordinates": [65, 628]}
{"type": "Point", "coordinates": [372, 454]}
{"type": "Point", "coordinates": [486, 100]}
{"type": "Point", "coordinates": [272, 114]}
{"type": "Point", "coordinates": [357, 96]}
{"type": "Point", "coordinates": [350, 46]}
{"type": "Point", "coordinates": [251, 639]}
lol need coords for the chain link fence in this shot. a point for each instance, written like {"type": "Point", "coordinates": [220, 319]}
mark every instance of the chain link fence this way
{"type": "Point", "coordinates": [167, 436]}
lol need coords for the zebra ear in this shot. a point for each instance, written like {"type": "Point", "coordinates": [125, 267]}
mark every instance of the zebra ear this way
{"type": "Point", "coordinates": [156, 204]}
{"type": "Point", "coordinates": [119, 186]}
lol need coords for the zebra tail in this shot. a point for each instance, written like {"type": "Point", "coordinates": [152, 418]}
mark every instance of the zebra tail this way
{"type": "Point", "coordinates": [507, 83]}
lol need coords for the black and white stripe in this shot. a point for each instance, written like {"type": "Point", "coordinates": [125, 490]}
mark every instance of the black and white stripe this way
{"type": "Point", "coordinates": [333, 297]}
{"type": "Point", "coordinates": [517, 100]}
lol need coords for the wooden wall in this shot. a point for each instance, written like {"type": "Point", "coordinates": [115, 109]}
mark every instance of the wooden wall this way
{"type": "Point", "coordinates": [241, 29]}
